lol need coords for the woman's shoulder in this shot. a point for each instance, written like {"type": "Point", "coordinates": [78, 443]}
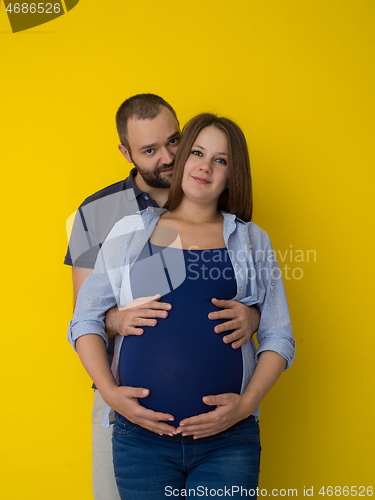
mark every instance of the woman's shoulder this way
{"type": "Point", "coordinates": [137, 221]}
{"type": "Point", "coordinates": [255, 232]}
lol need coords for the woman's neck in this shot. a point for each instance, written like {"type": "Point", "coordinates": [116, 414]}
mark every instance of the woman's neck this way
{"type": "Point", "coordinates": [196, 226]}
{"type": "Point", "coordinates": [194, 212]}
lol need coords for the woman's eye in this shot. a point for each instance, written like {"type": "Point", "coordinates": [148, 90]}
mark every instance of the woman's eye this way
{"type": "Point", "coordinates": [197, 153]}
{"type": "Point", "coordinates": [222, 161]}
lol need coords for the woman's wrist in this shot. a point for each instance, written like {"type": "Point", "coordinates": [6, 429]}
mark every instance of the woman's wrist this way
{"type": "Point", "coordinates": [108, 392]}
{"type": "Point", "coordinates": [248, 404]}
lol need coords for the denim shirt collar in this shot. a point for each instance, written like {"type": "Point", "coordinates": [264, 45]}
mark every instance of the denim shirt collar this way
{"type": "Point", "coordinates": [151, 215]}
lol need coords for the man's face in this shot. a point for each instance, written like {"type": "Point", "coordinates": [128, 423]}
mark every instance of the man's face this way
{"type": "Point", "coordinates": [153, 146]}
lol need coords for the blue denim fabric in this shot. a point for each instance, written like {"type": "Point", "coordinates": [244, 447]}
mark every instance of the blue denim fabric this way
{"type": "Point", "coordinates": [151, 467]}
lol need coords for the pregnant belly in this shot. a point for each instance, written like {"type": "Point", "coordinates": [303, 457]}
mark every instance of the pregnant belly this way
{"type": "Point", "coordinates": [181, 360]}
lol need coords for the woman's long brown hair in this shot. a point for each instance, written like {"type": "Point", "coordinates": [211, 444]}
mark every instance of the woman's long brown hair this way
{"type": "Point", "coordinates": [237, 197]}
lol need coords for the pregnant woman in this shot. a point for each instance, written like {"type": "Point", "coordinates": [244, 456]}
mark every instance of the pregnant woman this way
{"type": "Point", "coordinates": [202, 394]}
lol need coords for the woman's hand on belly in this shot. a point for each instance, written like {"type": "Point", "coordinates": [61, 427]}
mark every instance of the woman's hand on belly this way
{"type": "Point", "coordinates": [230, 409]}
{"type": "Point", "coordinates": [124, 400]}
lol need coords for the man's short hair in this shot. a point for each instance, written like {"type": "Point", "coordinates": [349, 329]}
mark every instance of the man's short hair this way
{"type": "Point", "coordinates": [141, 106]}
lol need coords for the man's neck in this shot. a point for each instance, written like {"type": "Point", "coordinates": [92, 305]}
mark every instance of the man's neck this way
{"type": "Point", "coordinates": [160, 195]}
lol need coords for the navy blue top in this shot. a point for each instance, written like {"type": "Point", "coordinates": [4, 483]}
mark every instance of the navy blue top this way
{"type": "Point", "coordinates": [182, 359]}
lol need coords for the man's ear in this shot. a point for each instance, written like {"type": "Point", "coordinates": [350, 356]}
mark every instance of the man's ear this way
{"type": "Point", "coordinates": [125, 152]}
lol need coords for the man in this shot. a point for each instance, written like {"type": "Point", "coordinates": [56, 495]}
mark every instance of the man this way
{"type": "Point", "coordinates": [149, 133]}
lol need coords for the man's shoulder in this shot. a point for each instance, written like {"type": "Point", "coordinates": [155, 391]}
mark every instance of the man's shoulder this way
{"type": "Point", "coordinates": [117, 187]}
{"type": "Point", "coordinates": [139, 220]}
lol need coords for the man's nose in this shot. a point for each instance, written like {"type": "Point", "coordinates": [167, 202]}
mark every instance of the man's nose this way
{"type": "Point", "coordinates": [167, 157]}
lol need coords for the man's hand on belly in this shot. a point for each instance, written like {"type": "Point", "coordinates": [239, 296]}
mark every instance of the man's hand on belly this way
{"type": "Point", "coordinates": [137, 313]}
{"type": "Point", "coordinates": [124, 400]}
{"type": "Point", "coordinates": [230, 409]}
{"type": "Point", "coordinates": [243, 320]}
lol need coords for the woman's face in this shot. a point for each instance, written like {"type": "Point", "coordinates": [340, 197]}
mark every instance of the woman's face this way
{"type": "Point", "coordinates": [206, 172]}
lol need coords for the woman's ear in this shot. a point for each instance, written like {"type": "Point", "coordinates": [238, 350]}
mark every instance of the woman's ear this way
{"type": "Point", "coordinates": [125, 152]}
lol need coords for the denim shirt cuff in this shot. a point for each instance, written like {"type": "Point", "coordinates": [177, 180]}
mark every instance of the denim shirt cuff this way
{"type": "Point", "coordinates": [77, 330]}
{"type": "Point", "coordinates": [283, 347]}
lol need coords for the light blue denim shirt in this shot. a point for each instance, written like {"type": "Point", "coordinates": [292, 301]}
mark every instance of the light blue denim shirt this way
{"type": "Point", "coordinates": [258, 278]}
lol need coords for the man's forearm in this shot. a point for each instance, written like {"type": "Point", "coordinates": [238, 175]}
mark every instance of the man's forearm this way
{"type": "Point", "coordinates": [111, 322]}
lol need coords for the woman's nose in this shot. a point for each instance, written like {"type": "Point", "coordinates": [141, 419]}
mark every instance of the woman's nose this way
{"type": "Point", "coordinates": [206, 165]}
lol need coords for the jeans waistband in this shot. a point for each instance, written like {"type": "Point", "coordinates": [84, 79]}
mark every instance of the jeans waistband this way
{"type": "Point", "coordinates": [179, 437]}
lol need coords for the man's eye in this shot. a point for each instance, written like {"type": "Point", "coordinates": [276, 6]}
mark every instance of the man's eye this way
{"type": "Point", "coordinates": [174, 141]}
{"type": "Point", "coordinates": [149, 151]}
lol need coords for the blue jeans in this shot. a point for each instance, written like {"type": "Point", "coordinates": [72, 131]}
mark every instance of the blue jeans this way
{"type": "Point", "coordinates": [152, 467]}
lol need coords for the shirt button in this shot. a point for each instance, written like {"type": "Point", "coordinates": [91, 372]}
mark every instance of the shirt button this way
{"type": "Point", "coordinates": [241, 288]}
{"type": "Point", "coordinates": [146, 197]}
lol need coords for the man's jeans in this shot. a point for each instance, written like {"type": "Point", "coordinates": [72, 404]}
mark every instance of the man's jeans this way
{"type": "Point", "coordinates": [103, 477]}
{"type": "Point", "coordinates": [152, 467]}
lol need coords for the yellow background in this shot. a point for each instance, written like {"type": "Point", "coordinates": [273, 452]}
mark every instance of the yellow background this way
{"type": "Point", "coordinates": [298, 76]}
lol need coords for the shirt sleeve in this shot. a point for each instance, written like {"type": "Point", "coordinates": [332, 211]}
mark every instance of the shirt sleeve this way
{"type": "Point", "coordinates": [275, 329]}
{"type": "Point", "coordinates": [94, 220]}
{"type": "Point", "coordinates": [85, 238]}
{"type": "Point", "coordinates": [95, 298]}
{"type": "Point", "coordinates": [100, 291]}
{"type": "Point", "coordinates": [103, 289]}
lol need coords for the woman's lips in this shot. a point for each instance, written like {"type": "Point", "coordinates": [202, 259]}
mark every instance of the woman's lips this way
{"type": "Point", "coordinates": [201, 180]}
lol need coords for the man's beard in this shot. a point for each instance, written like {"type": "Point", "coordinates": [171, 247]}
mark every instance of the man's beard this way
{"type": "Point", "coordinates": [154, 179]}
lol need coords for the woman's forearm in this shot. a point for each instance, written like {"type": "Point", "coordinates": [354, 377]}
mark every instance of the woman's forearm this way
{"type": "Point", "coordinates": [269, 368]}
{"type": "Point", "coordinates": [92, 352]}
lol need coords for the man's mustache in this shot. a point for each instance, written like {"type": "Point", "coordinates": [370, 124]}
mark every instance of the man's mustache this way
{"type": "Point", "coordinates": [165, 167]}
